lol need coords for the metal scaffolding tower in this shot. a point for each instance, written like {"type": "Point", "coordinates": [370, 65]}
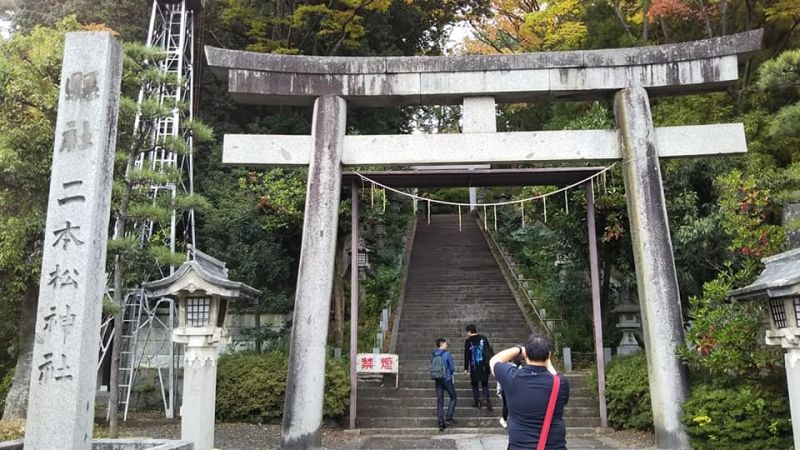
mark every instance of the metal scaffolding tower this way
{"type": "Point", "coordinates": [147, 323]}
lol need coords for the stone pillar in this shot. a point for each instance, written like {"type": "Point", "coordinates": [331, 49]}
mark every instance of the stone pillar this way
{"type": "Point", "coordinates": [478, 116]}
{"type": "Point", "coordinates": [73, 280]}
{"type": "Point", "coordinates": [355, 290]}
{"type": "Point", "coordinates": [792, 360]}
{"type": "Point", "coordinates": [199, 396]}
{"type": "Point", "coordinates": [655, 265]}
{"type": "Point", "coordinates": [302, 412]}
{"type": "Point", "coordinates": [597, 316]}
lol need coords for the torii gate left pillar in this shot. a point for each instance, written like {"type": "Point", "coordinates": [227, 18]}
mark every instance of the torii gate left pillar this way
{"type": "Point", "coordinates": [302, 412]}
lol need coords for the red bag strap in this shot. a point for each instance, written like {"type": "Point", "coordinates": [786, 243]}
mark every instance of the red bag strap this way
{"type": "Point", "coordinates": [548, 418]}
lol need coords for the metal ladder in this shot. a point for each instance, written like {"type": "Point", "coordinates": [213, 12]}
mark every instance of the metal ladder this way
{"type": "Point", "coordinates": [131, 318]}
{"type": "Point", "coordinates": [172, 31]}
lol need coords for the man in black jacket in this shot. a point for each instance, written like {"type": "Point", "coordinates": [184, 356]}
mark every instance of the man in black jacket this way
{"type": "Point", "coordinates": [477, 353]}
{"type": "Point", "coordinates": [528, 390]}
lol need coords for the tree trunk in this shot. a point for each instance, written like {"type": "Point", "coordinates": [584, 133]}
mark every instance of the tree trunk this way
{"type": "Point", "coordinates": [605, 286]}
{"type": "Point", "coordinates": [119, 302]}
{"type": "Point", "coordinates": [621, 18]}
{"type": "Point", "coordinates": [17, 399]}
{"type": "Point", "coordinates": [338, 314]}
{"type": "Point", "coordinates": [723, 17]}
{"type": "Point", "coordinates": [116, 343]}
{"type": "Point", "coordinates": [706, 18]}
{"type": "Point", "coordinates": [340, 269]}
{"type": "Point", "coordinates": [258, 327]}
{"type": "Point", "coordinates": [645, 22]}
{"type": "Point", "coordinates": [665, 29]}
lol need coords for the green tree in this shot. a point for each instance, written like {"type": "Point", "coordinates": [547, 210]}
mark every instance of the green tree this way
{"type": "Point", "coordinates": [127, 17]}
{"type": "Point", "coordinates": [724, 339]}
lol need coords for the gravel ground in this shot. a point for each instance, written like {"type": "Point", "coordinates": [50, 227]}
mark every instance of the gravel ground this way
{"type": "Point", "coordinates": [228, 436]}
{"type": "Point", "coordinates": [245, 436]}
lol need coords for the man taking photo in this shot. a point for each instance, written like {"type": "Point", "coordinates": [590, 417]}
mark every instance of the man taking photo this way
{"type": "Point", "coordinates": [536, 396]}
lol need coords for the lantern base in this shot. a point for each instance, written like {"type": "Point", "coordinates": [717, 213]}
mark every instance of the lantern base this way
{"type": "Point", "coordinates": [199, 396]}
{"type": "Point", "coordinates": [788, 338]}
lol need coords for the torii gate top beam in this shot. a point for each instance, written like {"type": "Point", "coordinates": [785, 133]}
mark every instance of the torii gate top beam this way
{"type": "Point", "coordinates": [263, 78]}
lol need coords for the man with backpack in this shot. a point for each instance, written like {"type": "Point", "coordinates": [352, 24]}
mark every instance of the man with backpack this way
{"type": "Point", "coordinates": [442, 368]}
{"type": "Point", "coordinates": [477, 353]}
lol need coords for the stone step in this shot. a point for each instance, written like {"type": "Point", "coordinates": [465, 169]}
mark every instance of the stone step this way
{"type": "Point", "coordinates": [572, 432]}
{"type": "Point", "coordinates": [575, 379]}
{"type": "Point", "coordinates": [500, 314]}
{"type": "Point", "coordinates": [457, 333]}
{"type": "Point", "coordinates": [423, 350]}
{"type": "Point", "coordinates": [470, 422]}
{"type": "Point", "coordinates": [456, 329]}
{"type": "Point", "coordinates": [462, 382]}
{"type": "Point", "coordinates": [422, 358]}
{"type": "Point", "coordinates": [461, 320]}
{"type": "Point", "coordinates": [464, 409]}
{"type": "Point", "coordinates": [430, 401]}
{"type": "Point", "coordinates": [462, 390]}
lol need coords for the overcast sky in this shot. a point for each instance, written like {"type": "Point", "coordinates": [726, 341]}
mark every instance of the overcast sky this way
{"type": "Point", "coordinates": [458, 32]}
{"type": "Point", "coordinates": [4, 28]}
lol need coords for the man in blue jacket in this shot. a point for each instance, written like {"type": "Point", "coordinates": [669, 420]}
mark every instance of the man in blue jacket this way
{"type": "Point", "coordinates": [443, 376]}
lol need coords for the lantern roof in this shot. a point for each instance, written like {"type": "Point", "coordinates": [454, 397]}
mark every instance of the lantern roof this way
{"type": "Point", "coordinates": [202, 272]}
{"type": "Point", "coordinates": [780, 278]}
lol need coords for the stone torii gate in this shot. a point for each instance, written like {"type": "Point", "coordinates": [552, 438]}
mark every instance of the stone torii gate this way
{"type": "Point", "coordinates": [631, 75]}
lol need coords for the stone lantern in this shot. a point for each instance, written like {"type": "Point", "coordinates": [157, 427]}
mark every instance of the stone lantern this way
{"type": "Point", "coordinates": [779, 287]}
{"type": "Point", "coordinates": [203, 292]}
{"type": "Point", "coordinates": [630, 325]}
{"type": "Point", "coordinates": [363, 258]}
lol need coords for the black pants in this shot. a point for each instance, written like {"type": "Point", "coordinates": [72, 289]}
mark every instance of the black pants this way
{"type": "Point", "coordinates": [475, 392]}
{"type": "Point", "coordinates": [441, 387]}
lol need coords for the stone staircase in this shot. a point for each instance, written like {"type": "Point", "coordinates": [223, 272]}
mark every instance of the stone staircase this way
{"type": "Point", "coordinates": [454, 281]}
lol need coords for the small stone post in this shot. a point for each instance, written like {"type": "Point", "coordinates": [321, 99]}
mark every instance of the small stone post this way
{"type": "Point", "coordinates": [73, 278]}
{"type": "Point", "coordinates": [305, 386]}
{"type": "Point", "coordinates": [656, 278]}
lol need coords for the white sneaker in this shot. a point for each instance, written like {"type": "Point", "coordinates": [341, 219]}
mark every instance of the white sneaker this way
{"type": "Point", "coordinates": [503, 423]}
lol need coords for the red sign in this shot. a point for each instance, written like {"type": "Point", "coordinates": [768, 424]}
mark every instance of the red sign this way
{"type": "Point", "coordinates": [377, 363]}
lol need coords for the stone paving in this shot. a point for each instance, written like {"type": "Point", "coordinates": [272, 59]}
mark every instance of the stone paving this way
{"type": "Point", "coordinates": [480, 442]}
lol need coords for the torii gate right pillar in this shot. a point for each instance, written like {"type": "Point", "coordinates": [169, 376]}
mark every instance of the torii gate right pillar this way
{"type": "Point", "coordinates": [655, 265]}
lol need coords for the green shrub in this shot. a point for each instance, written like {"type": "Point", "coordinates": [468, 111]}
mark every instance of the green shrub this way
{"type": "Point", "coordinates": [5, 386]}
{"type": "Point", "coordinates": [628, 393]}
{"type": "Point", "coordinates": [251, 387]}
{"type": "Point", "coordinates": [745, 417]}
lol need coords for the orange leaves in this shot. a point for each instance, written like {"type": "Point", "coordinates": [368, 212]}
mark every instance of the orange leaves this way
{"type": "Point", "coordinates": [670, 9]}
